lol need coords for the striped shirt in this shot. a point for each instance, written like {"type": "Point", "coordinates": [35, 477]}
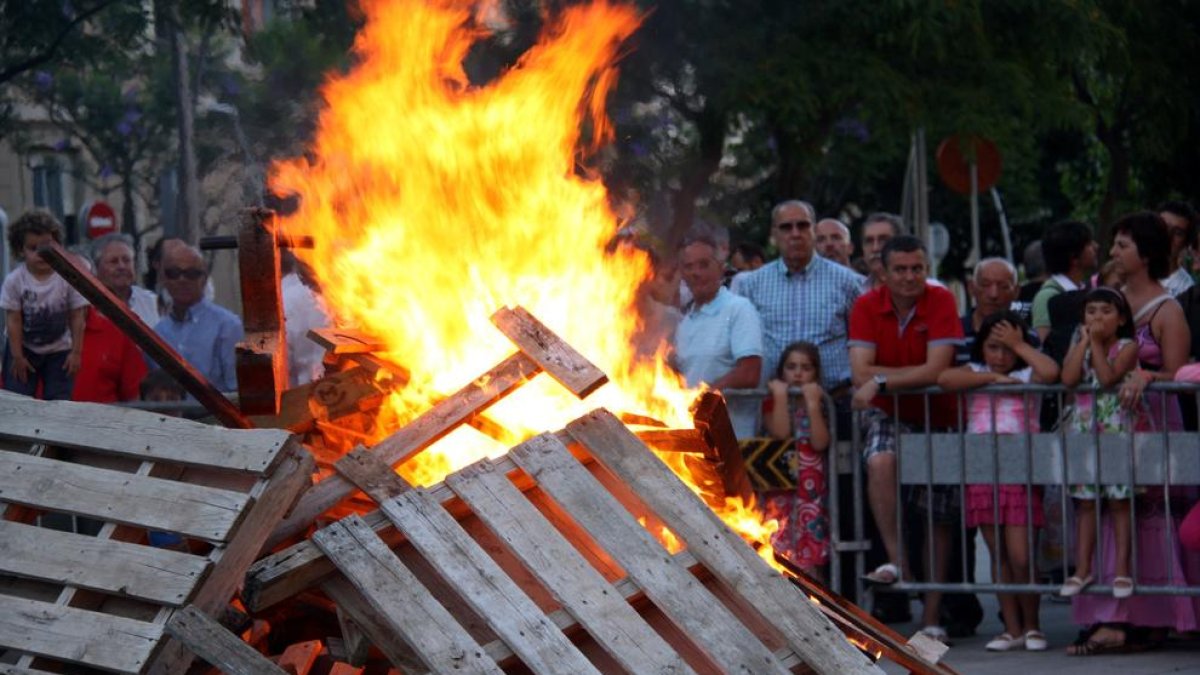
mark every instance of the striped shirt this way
{"type": "Point", "coordinates": [811, 305]}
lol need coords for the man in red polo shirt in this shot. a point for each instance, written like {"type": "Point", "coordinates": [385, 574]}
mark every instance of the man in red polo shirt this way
{"type": "Point", "coordinates": [902, 335]}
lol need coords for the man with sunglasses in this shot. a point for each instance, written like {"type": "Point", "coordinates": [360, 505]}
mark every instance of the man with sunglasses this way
{"type": "Point", "coordinates": [203, 332]}
{"type": "Point", "coordinates": [802, 296]}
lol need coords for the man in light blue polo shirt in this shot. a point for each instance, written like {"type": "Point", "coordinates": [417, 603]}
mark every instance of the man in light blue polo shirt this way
{"type": "Point", "coordinates": [719, 340]}
{"type": "Point", "coordinates": [203, 332]}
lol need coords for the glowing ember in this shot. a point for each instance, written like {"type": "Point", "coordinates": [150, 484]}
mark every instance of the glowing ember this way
{"type": "Point", "coordinates": [433, 202]}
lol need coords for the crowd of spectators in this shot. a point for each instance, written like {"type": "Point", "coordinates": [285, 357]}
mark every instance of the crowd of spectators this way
{"type": "Point", "coordinates": [57, 346]}
{"type": "Point", "coordinates": [808, 321]}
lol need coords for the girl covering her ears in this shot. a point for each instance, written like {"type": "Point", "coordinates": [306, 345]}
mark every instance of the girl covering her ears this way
{"type": "Point", "coordinates": [803, 535]}
{"type": "Point", "coordinates": [1002, 354]}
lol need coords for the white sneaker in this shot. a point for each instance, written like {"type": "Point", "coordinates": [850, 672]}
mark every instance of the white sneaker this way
{"type": "Point", "coordinates": [1004, 642]}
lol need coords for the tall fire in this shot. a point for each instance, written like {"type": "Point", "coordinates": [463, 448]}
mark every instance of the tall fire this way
{"type": "Point", "coordinates": [433, 202]}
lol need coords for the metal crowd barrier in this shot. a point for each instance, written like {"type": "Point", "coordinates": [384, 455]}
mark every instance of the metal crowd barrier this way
{"type": "Point", "coordinates": [1164, 459]}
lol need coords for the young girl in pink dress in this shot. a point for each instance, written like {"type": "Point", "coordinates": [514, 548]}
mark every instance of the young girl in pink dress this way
{"type": "Point", "coordinates": [803, 534]}
{"type": "Point", "coordinates": [1002, 355]}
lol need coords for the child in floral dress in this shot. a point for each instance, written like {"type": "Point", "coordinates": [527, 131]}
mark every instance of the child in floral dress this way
{"type": "Point", "coordinates": [803, 535]}
{"type": "Point", "coordinates": [1102, 355]}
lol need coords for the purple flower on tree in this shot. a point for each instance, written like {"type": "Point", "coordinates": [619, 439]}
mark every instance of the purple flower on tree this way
{"type": "Point", "coordinates": [61, 144]}
{"type": "Point", "coordinates": [106, 171]}
{"type": "Point", "coordinates": [43, 80]}
{"type": "Point", "coordinates": [124, 128]}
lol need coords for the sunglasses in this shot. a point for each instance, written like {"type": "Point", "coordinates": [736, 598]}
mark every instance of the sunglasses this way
{"type": "Point", "coordinates": [790, 225]}
{"type": "Point", "coordinates": [190, 274]}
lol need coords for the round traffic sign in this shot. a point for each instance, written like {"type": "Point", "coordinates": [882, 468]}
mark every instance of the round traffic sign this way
{"type": "Point", "coordinates": [98, 219]}
{"type": "Point", "coordinates": [955, 170]}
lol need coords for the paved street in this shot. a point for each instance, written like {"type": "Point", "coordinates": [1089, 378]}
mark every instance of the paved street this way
{"type": "Point", "coordinates": [968, 656]}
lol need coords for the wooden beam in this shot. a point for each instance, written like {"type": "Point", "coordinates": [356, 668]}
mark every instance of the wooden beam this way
{"type": "Point", "coordinates": [346, 341]}
{"type": "Point", "coordinates": [711, 418]}
{"type": "Point", "coordinates": [216, 646]}
{"type": "Point", "coordinates": [552, 353]}
{"type": "Point", "coordinates": [262, 371]}
{"type": "Point", "coordinates": [77, 635]}
{"type": "Point", "coordinates": [145, 337]}
{"type": "Point", "coordinates": [111, 429]}
{"type": "Point", "coordinates": [674, 440]}
{"type": "Point", "coordinates": [419, 434]}
{"type": "Point", "coordinates": [376, 479]}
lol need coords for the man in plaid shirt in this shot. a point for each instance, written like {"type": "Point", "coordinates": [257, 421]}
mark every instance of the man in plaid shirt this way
{"type": "Point", "coordinates": [802, 296]}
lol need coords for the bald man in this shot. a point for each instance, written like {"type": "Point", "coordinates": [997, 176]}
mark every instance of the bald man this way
{"type": "Point", "coordinates": [200, 330]}
{"type": "Point", "coordinates": [833, 241]}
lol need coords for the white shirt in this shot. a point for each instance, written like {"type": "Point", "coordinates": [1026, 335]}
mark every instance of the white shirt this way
{"type": "Point", "coordinates": [302, 311]}
{"type": "Point", "coordinates": [144, 303]}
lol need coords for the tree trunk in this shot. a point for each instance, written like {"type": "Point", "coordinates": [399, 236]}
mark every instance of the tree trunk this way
{"type": "Point", "coordinates": [188, 213]}
{"type": "Point", "coordinates": [128, 211]}
{"type": "Point", "coordinates": [1116, 189]}
{"type": "Point", "coordinates": [711, 125]}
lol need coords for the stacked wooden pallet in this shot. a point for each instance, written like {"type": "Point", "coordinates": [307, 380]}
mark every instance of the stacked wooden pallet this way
{"type": "Point", "coordinates": [102, 600]}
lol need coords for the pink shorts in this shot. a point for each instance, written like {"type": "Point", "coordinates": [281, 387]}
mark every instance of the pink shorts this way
{"type": "Point", "coordinates": [1014, 505]}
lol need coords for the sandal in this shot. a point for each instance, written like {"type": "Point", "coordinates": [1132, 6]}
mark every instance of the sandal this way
{"type": "Point", "coordinates": [884, 575]}
{"type": "Point", "coordinates": [1074, 586]}
{"type": "Point", "coordinates": [1122, 587]}
{"type": "Point", "coordinates": [1035, 641]}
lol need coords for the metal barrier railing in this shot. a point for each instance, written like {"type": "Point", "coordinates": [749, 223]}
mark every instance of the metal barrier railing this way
{"type": "Point", "coordinates": [1158, 462]}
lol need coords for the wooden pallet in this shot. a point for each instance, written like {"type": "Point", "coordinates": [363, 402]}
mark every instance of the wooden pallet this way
{"type": "Point", "coordinates": [102, 601]}
{"type": "Point", "coordinates": [540, 560]}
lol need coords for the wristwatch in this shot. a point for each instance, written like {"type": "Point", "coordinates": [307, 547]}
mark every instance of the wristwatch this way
{"type": "Point", "coordinates": [880, 380]}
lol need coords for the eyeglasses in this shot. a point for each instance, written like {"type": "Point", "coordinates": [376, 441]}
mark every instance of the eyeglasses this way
{"type": "Point", "coordinates": [790, 225]}
{"type": "Point", "coordinates": [191, 274]}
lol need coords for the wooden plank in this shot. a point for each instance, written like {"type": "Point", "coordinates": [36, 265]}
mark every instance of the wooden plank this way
{"type": "Point", "coordinates": [145, 572]}
{"type": "Point", "coordinates": [575, 584]}
{"type": "Point", "coordinates": [400, 599]}
{"type": "Point", "coordinates": [346, 341]}
{"type": "Point", "coordinates": [711, 417]}
{"type": "Point", "coordinates": [336, 394]}
{"type": "Point", "coordinates": [483, 585]}
{"type": "Point", "coordinates": [270, 499]}
{"type": "Point", "coordinates": [419, 434]}
{"type": "Point", "coordinates": [261, 356]}
{"type": "Point", "coordinates": [138, 434]}
{"type": "Point", "coordinates": [356, 646]}
{"type": "Point", "coordinates": [147, 340]}
{"type": "Point", "coordinates": [358, 610]}
{"type": "Point", "coordinates": [14, 670]}
{"type": "Point", "coordinates": [738, 566]}
{"type": "Point", "coordinates": [76, 635]}
{"type": "Point", "coordinates": [671, 587]}
{"type": "Point", "coordinates": [674, 440]}
{"type": "Point", "coordinates": [191, 510]}
{"type": "Point", "coordinates": [376, 479]}
{"type": "Point", "coordinates": [216, 646]}
{"type": "Point", "coordinates": [552, 353]}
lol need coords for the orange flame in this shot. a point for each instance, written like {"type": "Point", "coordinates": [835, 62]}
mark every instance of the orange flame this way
{"type": "Point", "coordinates": [433, 202]}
